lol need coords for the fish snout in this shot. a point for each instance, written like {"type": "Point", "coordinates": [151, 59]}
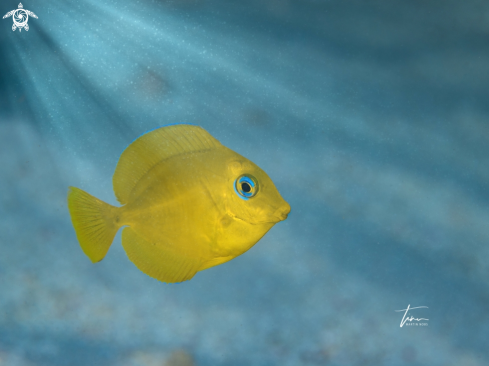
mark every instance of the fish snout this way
{"type": "Point", "coordinates": [283, 212]}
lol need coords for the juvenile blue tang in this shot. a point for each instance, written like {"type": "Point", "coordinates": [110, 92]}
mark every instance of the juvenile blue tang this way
{"type": "Point", "coordinates": [189, 203]}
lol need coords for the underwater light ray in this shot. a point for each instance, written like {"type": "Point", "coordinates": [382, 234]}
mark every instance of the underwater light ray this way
{"type": "Point", "coordinates": [196, 59]}
{"type": "Point", "coordinates": [112, 114]}
{"type": "Point", "coordinates": [15, 101]}
{"type": "Point", "coordinates": [29, 93]}
{"type": "Point", "coordinates": [47, 84]}
{"type": "Point", "coordinates": [110, 74]}
{"type": "Point", "coordinates": [187, 64]}
{"type": "Point", "coordinates": [42, 96]}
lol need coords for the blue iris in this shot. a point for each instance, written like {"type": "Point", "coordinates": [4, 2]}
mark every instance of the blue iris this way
{"type": "Point", "coordinates": [246, 186]}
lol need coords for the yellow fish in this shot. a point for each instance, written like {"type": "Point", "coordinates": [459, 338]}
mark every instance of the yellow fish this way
{"type": "Point", "coordinates": [189, 203]}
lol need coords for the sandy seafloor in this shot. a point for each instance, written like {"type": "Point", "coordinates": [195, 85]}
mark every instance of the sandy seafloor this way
{"type": "Point", "coordinates": [371, 118]}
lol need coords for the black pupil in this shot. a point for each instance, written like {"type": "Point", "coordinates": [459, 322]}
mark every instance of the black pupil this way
{"type": "Point", "coordinates": [245, 187]}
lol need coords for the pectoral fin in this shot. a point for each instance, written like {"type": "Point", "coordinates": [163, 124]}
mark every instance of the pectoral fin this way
{"type": "Point", "coordinates": [157, 260]}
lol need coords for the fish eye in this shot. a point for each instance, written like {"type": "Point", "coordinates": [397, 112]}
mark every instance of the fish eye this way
{"type": "Point", "coordinates": [246, 186]}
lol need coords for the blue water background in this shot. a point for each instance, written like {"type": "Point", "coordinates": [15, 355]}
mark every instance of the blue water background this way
{"type": "Point", "coordinates": [370, 117]}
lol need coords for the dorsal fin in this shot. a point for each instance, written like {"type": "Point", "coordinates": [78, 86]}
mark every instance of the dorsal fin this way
{"type": "Point", "coordinates": [152, 148]}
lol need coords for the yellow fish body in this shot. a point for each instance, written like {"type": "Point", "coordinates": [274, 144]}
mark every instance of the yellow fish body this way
{"type": "Point", "coordinates": [189, 203]}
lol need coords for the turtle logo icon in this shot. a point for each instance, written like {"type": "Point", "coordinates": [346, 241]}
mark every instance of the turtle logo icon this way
{"type": "Point", "coordinates": [20, 16]}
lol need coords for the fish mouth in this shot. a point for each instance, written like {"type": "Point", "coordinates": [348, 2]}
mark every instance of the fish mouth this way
{"type": "Point", "coordinates": [280, 214]}
{"type": "Point", "coordinates": [283, 212]}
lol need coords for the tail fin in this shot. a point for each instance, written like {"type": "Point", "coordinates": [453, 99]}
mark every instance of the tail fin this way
{"type": "Point", "coordinates": [94, 222]}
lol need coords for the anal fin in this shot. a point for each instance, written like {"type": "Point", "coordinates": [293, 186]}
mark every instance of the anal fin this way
{"type": "Point", "coordinates": [156, 260]}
